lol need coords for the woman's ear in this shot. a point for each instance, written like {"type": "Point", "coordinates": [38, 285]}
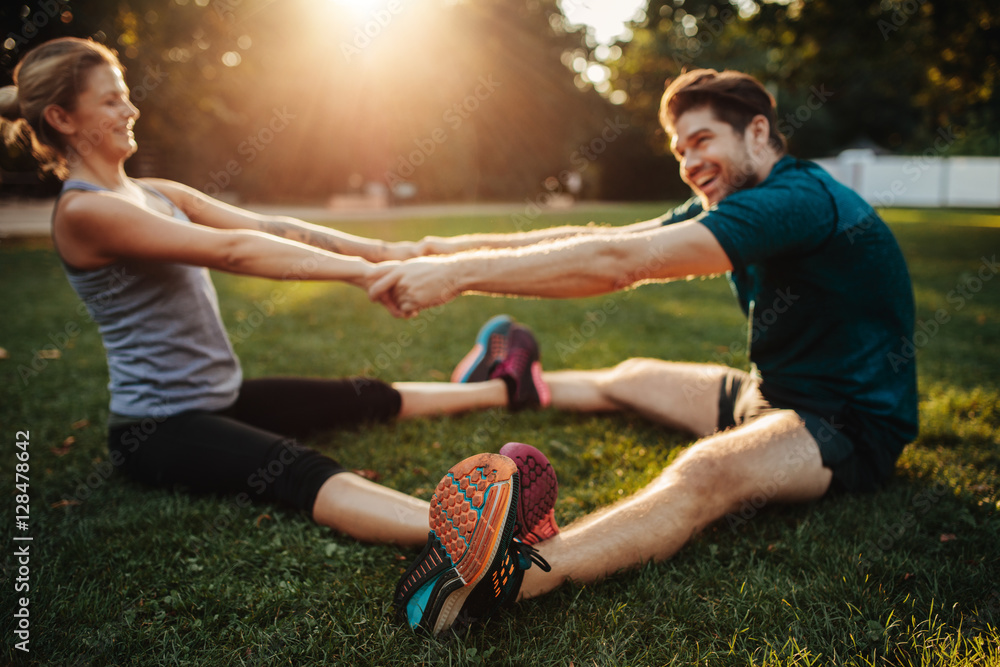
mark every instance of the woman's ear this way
{"type": "Point", "coordinates": [59, 119]}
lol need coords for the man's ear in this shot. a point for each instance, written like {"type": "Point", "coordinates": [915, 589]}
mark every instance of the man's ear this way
{"type": "Point", "coordinates": [759, 131]}
{"type": "Point", "coordinates": [59, 119]}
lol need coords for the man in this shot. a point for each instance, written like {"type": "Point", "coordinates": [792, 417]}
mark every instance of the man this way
{"type": "Point", "coordinates": [831, 402]}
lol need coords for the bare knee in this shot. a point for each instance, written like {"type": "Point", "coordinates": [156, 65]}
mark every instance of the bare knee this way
{"type": "Point", "coordinates": [677, 394]}
{"type": "Point", "coordinates": [636, 365]}
{"type": "Point", "coordinates": [620, 377]}
{"type": "Point", "coordinates": [773, 457]}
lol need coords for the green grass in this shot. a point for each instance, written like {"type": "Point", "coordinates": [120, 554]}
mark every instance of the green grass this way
{"type": "Point", "coordinates": [128, 575]}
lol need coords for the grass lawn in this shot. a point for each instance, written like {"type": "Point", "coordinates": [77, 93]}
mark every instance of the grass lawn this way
{"type": "Point", "coordinates": [121, 574]}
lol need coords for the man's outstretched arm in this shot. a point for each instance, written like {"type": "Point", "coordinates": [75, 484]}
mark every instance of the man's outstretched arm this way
{"type": "Point", "coordinates": [575, 267]}
{"type": "Point", "coordinates": [448, 245]}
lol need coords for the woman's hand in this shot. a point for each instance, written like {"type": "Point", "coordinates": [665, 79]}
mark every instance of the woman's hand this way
{"type": "Point", "coordinates": [406, 288]}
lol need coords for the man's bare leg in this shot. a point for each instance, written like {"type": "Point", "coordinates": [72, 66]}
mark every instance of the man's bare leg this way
{"type": "Point", "coordinates": [774, 456]}
{"type": "Point", "coordinates": [679, 395]}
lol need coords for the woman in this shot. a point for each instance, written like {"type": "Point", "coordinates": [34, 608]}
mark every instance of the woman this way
{"type": "Point", "coordinates": [137, 253]}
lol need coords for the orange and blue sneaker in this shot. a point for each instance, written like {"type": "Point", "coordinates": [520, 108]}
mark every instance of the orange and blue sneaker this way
{"type": "Point", "coordinates": [489, 349]}
{"type": "Point", "coordinates": [472, 522]}
{"type": "Point", "coordinates": [537, 497]}
{"type": "Point", "coordinates": [501, 585]}
{"type": "Point", "coordinates": [535, 521]}
{"type": "Point", "coordinates": [471, 564]}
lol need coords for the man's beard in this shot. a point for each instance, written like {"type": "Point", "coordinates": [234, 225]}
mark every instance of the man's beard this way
{"type": "Point", "coordinates": [741, 177]}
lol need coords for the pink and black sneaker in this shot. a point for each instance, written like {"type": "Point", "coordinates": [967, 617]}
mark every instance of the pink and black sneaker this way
{"type": "Point", "coordinates": [537, 497]}
{"type": "Point", "coordinates": [521, 370]}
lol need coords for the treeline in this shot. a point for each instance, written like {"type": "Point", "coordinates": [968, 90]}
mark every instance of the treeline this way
{"type": "Point", "coordinates": [478, 100]}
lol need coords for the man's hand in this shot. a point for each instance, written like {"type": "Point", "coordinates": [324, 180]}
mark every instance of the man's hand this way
{"type": "Point", "coordinates": [374, 273]}
{"type": "Point", "coordinates": [411, 286]}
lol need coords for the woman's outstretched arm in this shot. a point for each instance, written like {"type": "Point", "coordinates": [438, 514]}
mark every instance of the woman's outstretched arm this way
{"type": "Point", "coordinates": [205, 210]}
{"type": "Point", "coordinates": [93, 229]}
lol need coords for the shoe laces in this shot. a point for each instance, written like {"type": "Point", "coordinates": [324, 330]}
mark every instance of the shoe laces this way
{"type": "Point", "coordinates": [527, 554]}
{"type": "Point", "coordinates": [517, 359]}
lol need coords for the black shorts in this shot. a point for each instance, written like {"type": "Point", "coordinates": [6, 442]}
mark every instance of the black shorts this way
{"type": "Point", "coordinates": [845, 454]}
{"type": "Point", "coordinates": [249, 447]}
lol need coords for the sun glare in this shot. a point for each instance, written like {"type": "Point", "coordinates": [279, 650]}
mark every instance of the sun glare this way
{"type": "Point", "coordinates": [360, 7]}
{"type": "Point", "coordinates": [607, 19]}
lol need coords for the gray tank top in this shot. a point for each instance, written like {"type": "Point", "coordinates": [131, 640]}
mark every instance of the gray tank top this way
{"type": "Point", "coordinates": [167, 348]}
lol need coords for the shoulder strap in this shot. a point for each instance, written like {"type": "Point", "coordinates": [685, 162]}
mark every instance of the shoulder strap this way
{"type": "Point", "coordinates": [77, 184]}
{"type": "Point", "coordinates": [154, 191]}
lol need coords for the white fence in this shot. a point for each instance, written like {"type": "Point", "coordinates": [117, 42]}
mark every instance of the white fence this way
{"type": "Point", "coordinates": [894, 180]}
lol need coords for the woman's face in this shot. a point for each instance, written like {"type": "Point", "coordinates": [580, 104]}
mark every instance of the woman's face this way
{"type": "Point", "coordinates": [104, 117]}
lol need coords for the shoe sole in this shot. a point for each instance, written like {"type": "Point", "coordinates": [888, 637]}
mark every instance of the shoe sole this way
{"type": "Point", "coordinates": [541, 387]}
{"type": "Point", "coordinates": [537, 495]}
{"type": "Point", "coordinates": [472, 520]}
{"type": "Point", "coordinates": [471, 367]}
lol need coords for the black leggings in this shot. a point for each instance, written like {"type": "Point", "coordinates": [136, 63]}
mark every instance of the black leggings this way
{"type": "Point", "coordinates": [248, 448]}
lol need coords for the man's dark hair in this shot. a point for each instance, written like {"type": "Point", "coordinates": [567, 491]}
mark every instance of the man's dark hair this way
{"type": "Point", "coordinates": [734, 97]}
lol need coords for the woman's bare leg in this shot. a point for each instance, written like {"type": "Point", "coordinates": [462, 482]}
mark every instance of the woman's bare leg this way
{"type": "Point", "coordinates": [423, 399]}
{"type": "Point", "coordinates": [370, 512]}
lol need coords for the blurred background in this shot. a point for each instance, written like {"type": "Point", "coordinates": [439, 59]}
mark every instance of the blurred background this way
{"type": "Point", "coordinates": [414, 101]}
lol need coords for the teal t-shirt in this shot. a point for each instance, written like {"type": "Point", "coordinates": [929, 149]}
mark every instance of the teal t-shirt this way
{"type": "Point", "coordinates": [828, 298]}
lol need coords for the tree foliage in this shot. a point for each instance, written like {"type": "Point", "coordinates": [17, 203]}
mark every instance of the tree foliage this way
{"type": "Point", "coordinates": [474, 99]}
{"type": "Point", "coordinates": [892, 72]}
{"type": "Point", "coordinates": [299, 99]}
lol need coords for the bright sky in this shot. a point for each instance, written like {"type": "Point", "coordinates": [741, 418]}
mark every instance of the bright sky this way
{"type": "Point", "coordinates": [607, 18]}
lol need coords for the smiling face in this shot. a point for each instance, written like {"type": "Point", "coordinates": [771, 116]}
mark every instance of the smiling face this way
{"type": "Point", "coordinates": [715, 159]}
{"type": "Point", "coordinates": [103, 118]}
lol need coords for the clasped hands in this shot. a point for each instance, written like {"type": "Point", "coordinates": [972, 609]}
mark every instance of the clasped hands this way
{"type": "Point", "coordinates": [405, 288]}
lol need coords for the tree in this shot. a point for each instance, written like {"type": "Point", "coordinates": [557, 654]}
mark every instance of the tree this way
{"type": "Point", "coordinates": [895, 72]}
{"type": "Point", "coordinates": [300, 99]}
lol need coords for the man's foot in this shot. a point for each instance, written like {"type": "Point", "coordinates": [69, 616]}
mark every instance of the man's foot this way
{"type": "Point", "coordinates": [521, 370]}
{"type": "Point", "coordinates": [468, 548]}
{"type": "Point", "coordinates": [489, 349]}
{"type": "Point", "coordinates": [538, 490]}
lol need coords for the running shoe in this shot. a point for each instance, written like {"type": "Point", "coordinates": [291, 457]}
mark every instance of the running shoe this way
{"type": "Point", "coordinates": [521, 370]}
{"type": "Point", "coordinates": [537, 497]}
{"type": "Point", "coordinates": [472, 521]}
{"type": "Point", "coordinates": [501, 585]}
{"type": "Point", "coordinates": [486, 353]}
